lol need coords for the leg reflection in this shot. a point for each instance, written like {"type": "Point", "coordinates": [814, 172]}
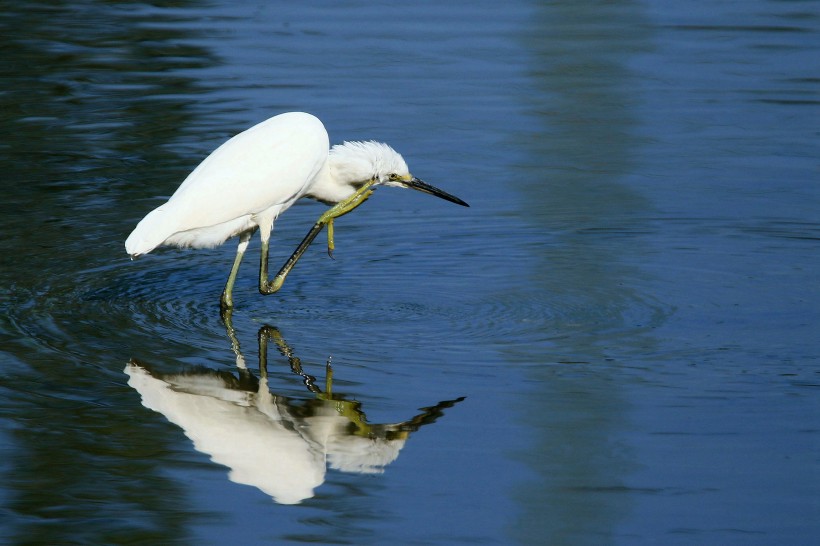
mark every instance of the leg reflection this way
{"type": "Point", "coordinates": [350, 409]}
{"type": "Point", "coordinates": [280, 444]}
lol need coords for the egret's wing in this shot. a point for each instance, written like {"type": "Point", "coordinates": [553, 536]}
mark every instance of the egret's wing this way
{"type": "Point", "coordinates": [270, 164]}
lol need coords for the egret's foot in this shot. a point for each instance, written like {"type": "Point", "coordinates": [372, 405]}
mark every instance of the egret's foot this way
{"type": "Point", "coordinates": [343, 207]}
{"type": "Point", "coordinates": [339, 209]}
{"type": "Point", "coordinates": [225, 303]}
{"type": "Point", "coordinates": [225, 309]}
{"type": "Point", "coordinates": [329, 379]}
{"type": "Point", "coordinates": [273, 286]}
{"type": "Point", "coordinates": [330, 244]}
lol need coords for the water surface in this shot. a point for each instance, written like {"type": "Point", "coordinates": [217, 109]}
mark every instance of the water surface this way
{"type": "Point", "coordinates": [616, 344]}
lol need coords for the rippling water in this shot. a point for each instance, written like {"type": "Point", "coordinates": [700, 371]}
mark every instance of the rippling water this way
{"type": "Point", "coordinates": [616, 343]}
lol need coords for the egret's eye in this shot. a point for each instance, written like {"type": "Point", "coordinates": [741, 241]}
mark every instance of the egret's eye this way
{"type": "Point", "coordinates": [393, 176]}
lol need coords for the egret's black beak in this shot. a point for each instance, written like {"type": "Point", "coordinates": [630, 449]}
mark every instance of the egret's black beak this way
{"type": "Point", "coordinates": [422, 186]}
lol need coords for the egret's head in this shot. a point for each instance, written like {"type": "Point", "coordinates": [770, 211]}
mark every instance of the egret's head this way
{"type": "Point", "coordinates": [359, 162]}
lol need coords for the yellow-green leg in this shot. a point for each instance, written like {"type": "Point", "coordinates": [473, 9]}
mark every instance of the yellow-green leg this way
{"type": "Point", "coordinates": [329, 379]}
{"type": "Point", "coordinates": [339, 209]}
{"type": "Point", "coordinates": [330, 246]}
{"type": "Point", "coordinates": [226, 300]}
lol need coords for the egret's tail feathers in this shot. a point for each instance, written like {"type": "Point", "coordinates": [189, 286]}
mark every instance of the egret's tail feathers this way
{"type": "Point", "coordinates": [163, 226]}
{"type": "Point", "coordinates": [151, 232]}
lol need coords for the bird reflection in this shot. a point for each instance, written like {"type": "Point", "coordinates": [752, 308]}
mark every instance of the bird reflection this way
{"type": "Point", "coordinates": [281, 445]}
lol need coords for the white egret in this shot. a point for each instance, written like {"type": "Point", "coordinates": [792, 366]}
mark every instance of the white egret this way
{"type": "Point", "coordinates": [247, 182]}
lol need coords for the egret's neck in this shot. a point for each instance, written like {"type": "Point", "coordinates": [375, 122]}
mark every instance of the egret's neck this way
{"type": "Point", "coordinates": [333, 184]}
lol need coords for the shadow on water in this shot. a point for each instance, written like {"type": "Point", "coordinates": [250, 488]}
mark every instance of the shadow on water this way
{"type": "Point", "coordinates": [278, 444]}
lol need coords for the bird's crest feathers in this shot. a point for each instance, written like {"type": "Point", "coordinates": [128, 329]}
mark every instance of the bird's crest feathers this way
{"type": "Point", "coordinates": [358, 161]}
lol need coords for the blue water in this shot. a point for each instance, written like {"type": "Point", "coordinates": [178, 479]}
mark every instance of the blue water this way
{"type": "Point", "coordinates": [615, 344]}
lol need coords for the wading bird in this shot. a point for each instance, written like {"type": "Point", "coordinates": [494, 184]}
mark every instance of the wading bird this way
{"type": "Point", "coordinates": [247, 182]}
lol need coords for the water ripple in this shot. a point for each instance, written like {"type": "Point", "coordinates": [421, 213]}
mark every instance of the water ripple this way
{"type": "Point", "coordinates": [57, 315]}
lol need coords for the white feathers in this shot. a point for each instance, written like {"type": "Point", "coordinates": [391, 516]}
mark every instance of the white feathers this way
{"type": "Point", "coordinates": [249, 180]}
{"type": "Point", "coordinates": [258, 174]}
{"type": "Point", "coordinates": [211, 236]}
{"type": "Point", "coordinates": [246, 183]}
{"type": "Point", "coordinates": [350, 164]}
{"type": "Point", "coordinates": [150, 232]}
{"type": "Point", "coordinates": [361, 161]}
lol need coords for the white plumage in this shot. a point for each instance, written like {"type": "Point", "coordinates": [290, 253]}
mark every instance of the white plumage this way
{"type": "Point", "coordinates": [278, 159]}
{"type": "Point", "coordinates": [251, 179]}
